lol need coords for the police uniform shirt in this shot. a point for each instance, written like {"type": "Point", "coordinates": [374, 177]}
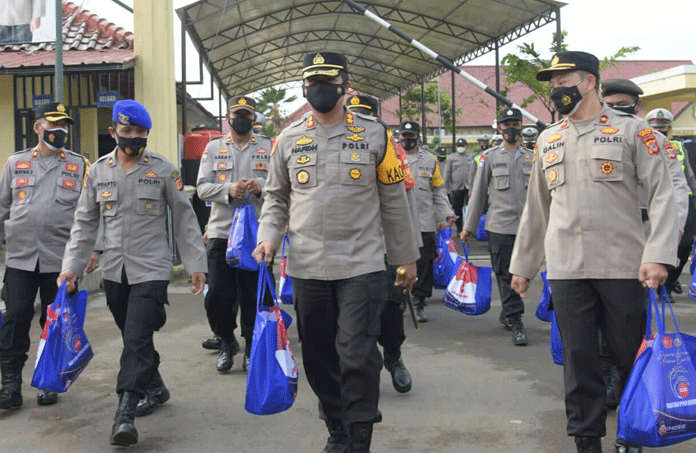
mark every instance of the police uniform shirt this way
{"type": "Point", "coordinates": [582, 209]}
{"type": "Point", "coordinates": [38, 196]}
{"type": "Point", "coordinates": [431, 194]}
{"type": "Point", "coordinates": [223, 162]}
{"type": "Point", "coordinates": [133, 208]}
{"type": "Point", "coordinates": [503, 177]}
{"type": "Point", "coordinates": [338, 186]}
{"type": "Point", "coordinates": [458, 171]}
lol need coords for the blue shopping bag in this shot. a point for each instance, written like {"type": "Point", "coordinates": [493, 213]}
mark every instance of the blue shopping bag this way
{"type": "Point", "coordinates": [242, 238]}
{"type": "Point", "coordinates": [447, 261]}
{"type": "Point", "coordinates": [285, 282]}
{"type": "Point", "coordinates": [469, 291]}
{"type": "Point", "coordinates": [542, 312]}
{"type": "Point", "coordinates": [556, 343]}
{"type": "Point", "coordinates": [64, 350]}
{"type": "Point", "coordinates": [481, 233]}
{"type": "Point", "coordinates": [658, 405]}
{"type": "Point", "coordinates": [272, 375]}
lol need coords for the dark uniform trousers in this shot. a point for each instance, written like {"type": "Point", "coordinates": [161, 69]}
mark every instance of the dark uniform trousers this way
{"type": "Point", "coordinates": [424, 266]}
{"type": "Point", "coordinates": [618, 308]}
{"type": "Point", "coordinates": [20, 292]}
{"type": "Point", "coordinates": [392, 334]}
{"type": "Point", "coordinates": [685, 245]}
{"type": "Point", "coordinates": [339, 322]}
{"type": "Point", "coordinates": [230, 288]}
{"type": "Point", "coordinates": [138, 311]}
{"type": "Point", "coordinates": [500, 247]}
{"type": "Point", "coordinates": [459, 199]}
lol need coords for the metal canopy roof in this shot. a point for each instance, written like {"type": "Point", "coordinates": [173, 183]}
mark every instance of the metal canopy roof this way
{"type": "Point", "coordinates": [249, 45]}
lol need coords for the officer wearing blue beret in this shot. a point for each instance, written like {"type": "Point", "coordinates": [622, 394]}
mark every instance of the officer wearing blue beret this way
{"type": "Point", "coordinates": [130, 189]}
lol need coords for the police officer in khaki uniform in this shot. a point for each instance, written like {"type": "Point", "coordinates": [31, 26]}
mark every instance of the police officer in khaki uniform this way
{"type": "Point", "coordinates": [233, 169]}
{"type": "Point", "coordinates": [392, 333]}
{"type": "Point", "coordinates": [337, 183]}
{"type": "Point", "coordinates": [130, 189]}
{"type": "Point", "coordinates": [433, 210]}
{"type": "Point", "coordinates": [582, 214]}
{"type": "Point", "coordinates": [502, 178]}
{"type": "Point", "coordinates": [39, 190]}
{"type": "Point", "coordinates": [458, 178]}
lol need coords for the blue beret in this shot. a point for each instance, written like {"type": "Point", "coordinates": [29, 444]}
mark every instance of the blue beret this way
{"type": "Point", "coordinates": [129, 112]}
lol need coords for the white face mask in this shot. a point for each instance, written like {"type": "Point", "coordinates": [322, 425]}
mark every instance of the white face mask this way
{"type": "Point", "coordinates": [461, 149]}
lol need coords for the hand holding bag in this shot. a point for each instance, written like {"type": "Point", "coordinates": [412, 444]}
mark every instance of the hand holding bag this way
{"type": "Point", "coordinates": [242, 238]}
{"type": "Point", "coordinates": [272, 375]}
{"type": "Point", "coordinates": [658, 405]}
{"type": "Point", "coordinates": [469, 291]}
{"type": "Point", "coordinates": [542, 312]}
{"type": "Point", "coordinates": [64, 350]}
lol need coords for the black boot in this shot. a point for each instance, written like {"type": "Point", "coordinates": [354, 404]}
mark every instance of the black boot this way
{"type": "Point", "coordinates": [11, 392]}
{"type": "Point", "coordinates": [588, 444]}
{"type": "Point", "coordinates": [228, 350]}
{"type": "Point", "coordinates": [519, 335]}
{"type": "Point", "coordinates": [505, 322]}
{"type": "Point", "coordinates": [156, 394]}
{"type": "Point", "coordinates": [401, 378]}
{"type": "Point", "coordinates": [360, 437]}
{"type": "Point", "coordinates": [624, 447]}
{"type": "Point", "coordinates": [212, 343]}
{"type": "Point", "coordinates": [418, 305]}
{"type": "Point", "coordinates": [123, 432]}
{"type": "Point", "coordinates": [338, 438]}
{"type": "Point", "coordinates": [46, 398]}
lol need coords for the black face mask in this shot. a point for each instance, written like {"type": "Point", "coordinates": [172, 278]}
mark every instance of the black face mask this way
{"type": "Point", "coordinates": [131, 146]}
{"type": "Point", "coordinates": [511, 134]}
{"type": "Point", "coordinates": [626, 108]}
{"type": "Point", "coordinates": [56, 138]}
{"type": "Point", "coordinates": [241, 125]}
{"type": "Point", "coordinates": [323, 96]}
{"type": "Point", "coordinates": [566, 99]}
{"type": "Point", "coordinates": [408, 143]}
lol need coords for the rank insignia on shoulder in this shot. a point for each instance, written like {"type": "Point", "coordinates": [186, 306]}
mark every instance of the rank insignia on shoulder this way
{"type": "Point", "coordinates": [355, 157]}
{"type": "Point", "coordinates": [551, 158]}
{"type": "Point", "coordinates": [564, 124]}
{"type": "Point", "coordinates": [261, 166]}
{"type": "Point", "coordinates": [604, 119]}
{"type": "Point", "coordinates": [607, 168]}
{"type": "Point", "coordinates": [262, 150]}
{"type": "Point", "coordinates": [303, 159]}
{"type": "Point", "coordinates": [35, 154]}
{"type": "Point", "coordinates": [355, 173]}
{"type": "Point", "coordinates": [355, 137]}
{"type": "Point", "coordinates": [110, 161]}
{"type": "Point", "coordinates": [146, 159]}
{"type": "Point", "coordinates": [555, 137]}
{"type": "Point", "coordinates": [151, 174]}
{"type": "Point", "coordinates": [302, 177]}
{"type": "Point", "coordinates": [304, 141]}
{"type": "Point", "coordinates": [222, 177]}
{"type": "Point", "coordinates": [609, 130]}
{"type": "Point", "coordinates": [350, 118]}
{"type": "Point", "coordinates": [253, 139]}
{"type": "Point", "coordinates": [228, 139]}
{"type": "Point", "coordinates": [62, 155]}
{"type": "Point", "coordinates": [553, 175]}
{"type": "Point", "coordinates": [355, 129]}
{"type": "Point", "coordinates": [310, 121]}
{"type": "Point", "coordinates": [105, 194]}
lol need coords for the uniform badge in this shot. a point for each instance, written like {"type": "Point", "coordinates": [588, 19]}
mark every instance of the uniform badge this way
{"type": "Point", "coordinates": [604, 119]}
{"type": "Point", "coordinates": [105, 194]}
{"type": "Point", "coordinates": [354, 100]}
{"type": "Point", "coordinates": [23, 165]}
{"type": "Point", "coordinates": [123, 119]}
{"type": "Point", "coordinates": [62, 155]}
{"type": "Point", "coordinates": [671, 153]}
{"type": "Point", "coordinates": [149, 206]}
{"type": "Point", "coordinates": [355, 138]}
{"type": "Point", "coordinates": [69, 183]}
{"type": "Point", "coordinates": [22, 195]}
{"type": "Point", "coordinates": [146, 159]}
{"type": "Point", "coordinates": [179, 183]}
{"type": "Point", "coordinates": [228, 139]}
{"type": "Point", "coordinates": [607, 168]}
{"type": "Point", "coordinates": [310, 121]}
{"type": "Point", "coordinates": [72, 168]}
{"type": "Point", "coordinates": [261, 166]}
{"type": "Point", "coordinates": [551, 158]}
{"type": "Point", "coordinates": [350, 118]}
{"type": "Point", "coordinates": [553, 175]}
{"type": "Point", "coordinates": [253, 139]}
{"type": "Point", "coordinates": [609, 130]}
{"type": "Point", "coordinates": [35, 154]}
{"type": "Point", "coordinates": [174, 174]}
{"type": "Point", "coordinates": [303, 159]}
{"type": "Point", "coordinates": [223, 151]}
{"type": "Point", "coordinates": [564, 124]}
{"type": "Point", "coordinates": [304, 141]}
{"type": "Point", "coordinates": [222, 166]}
{"type": "Point", "coordinates": [355, 157]}
{"type": "Point", "coordinates": [204, 157]}
{"type": "Point", "coordinates": [677, 342]}
{"type": "Point", "coordinates": [356, 129]}
{"type": "Point", "coordinates": [303, 177]}
{"type": "Point", "coordinates": [86, 181]}
{"type": "Point", "coordinates": [262, 150]}
{"type": "Point", "coordinates": [355, 173]}
{"type": "Point", "coordinates": [108, 206]}
{"type": "Point", "coordinates": [555, 137]}
{"type": "Point", "coordinates": [151, 174]}
{"type": "Point", "coordinates": [111, 161]}
{"type": "Point", "coordinates": [222, 177]}
{"type": "Point", "coordinates": [22, 182]}
{"type": "Point", "coordinates": [648, 138]}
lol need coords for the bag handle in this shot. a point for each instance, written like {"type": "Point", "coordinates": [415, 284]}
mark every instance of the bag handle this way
{"type": "Point", "coordinates": [652, 302]}
{"type": "Point", "coordinates": [465, 248]}
{"type": "Point", "coordinates": [286, 240]}
{"type": "Point", "coordinates": [665, 297]}
{"type": "Point", "coordinates": [246, 200]}
{"type": "Point", "coordinates": [264, 282]}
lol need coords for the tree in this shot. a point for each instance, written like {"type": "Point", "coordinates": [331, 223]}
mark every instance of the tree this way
{"type": "Point", "coordinates": [522, 69]}
{"type": "Point", "coordinates": [271, 105]}
{"type": "Point", "coordinates": [411, 105]}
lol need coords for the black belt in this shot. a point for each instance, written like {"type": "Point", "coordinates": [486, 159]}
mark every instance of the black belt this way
{"type": "Point", "coordinates": [644, 215]}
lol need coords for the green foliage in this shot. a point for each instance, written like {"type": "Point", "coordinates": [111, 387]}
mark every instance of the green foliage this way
{"type": "Point", "coordinates": [269, 130]}
{"type": "Point", "coordinates": [411, 105]}
{"type": "Point", "coordinates": [271, 105]}
{"type": "Point", "coordinates": [522, 68]}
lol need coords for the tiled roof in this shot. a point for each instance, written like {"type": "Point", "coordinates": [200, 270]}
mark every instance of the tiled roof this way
{"type": "Point", "coordinates": [87, 39]}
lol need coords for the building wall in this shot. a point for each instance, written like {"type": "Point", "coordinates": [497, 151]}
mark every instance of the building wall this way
{"type": "Point", "coordinates": [7, 114]}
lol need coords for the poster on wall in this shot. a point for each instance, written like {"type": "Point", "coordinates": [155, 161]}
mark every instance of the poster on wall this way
{"type": "Point", "coordinates": [27, 21]}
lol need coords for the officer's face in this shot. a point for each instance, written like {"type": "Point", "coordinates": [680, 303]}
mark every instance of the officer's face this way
{"type": "Point", "coordinates": [509, 123]}
{"type": "Point", "coordinates": [242, 113]}
{"type": "Point", "coordinates": [309, 81]}
{"type": "Point", "coordinates": [43, 125]}
{"type": "Point", "coordinates": [128, 131]}
{"type": "Point", "coordinates": [565, 79]}
{"type": "Point", "coordinates": [619, 100]}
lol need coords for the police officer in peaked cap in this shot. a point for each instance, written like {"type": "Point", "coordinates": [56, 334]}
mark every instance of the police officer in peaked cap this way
{"type": "Point", "coordinates": [459, 171]}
